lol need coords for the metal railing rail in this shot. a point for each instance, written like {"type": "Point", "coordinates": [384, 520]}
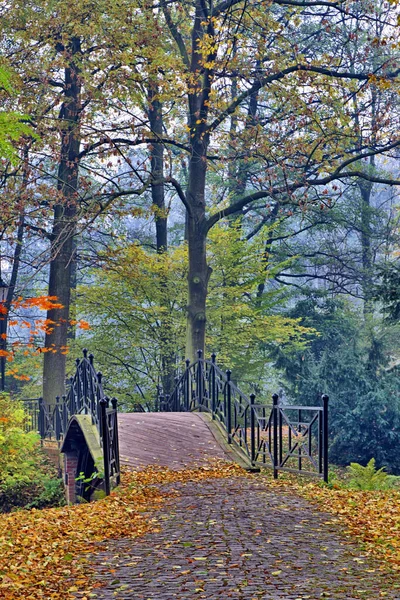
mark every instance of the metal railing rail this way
{"type": "Point", "coordinates": [85, 396]}
{"type": "Point", "coordinates": [281, 437]}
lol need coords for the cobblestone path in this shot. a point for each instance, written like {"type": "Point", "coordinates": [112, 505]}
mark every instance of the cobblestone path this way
{"type": "Point", "coordinates": [236, 538]}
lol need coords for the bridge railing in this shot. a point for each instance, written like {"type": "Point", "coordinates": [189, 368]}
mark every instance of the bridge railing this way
{"type": "Point", "coordinates": [274, 435]}
{"type": "Point", "coordinates": [85, 396]}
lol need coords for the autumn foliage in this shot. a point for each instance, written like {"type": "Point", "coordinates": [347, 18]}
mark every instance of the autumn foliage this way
{"type": "Point", "coordinates": [31, 343]}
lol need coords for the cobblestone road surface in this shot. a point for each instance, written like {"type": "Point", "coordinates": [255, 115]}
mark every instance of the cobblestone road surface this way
{"type": "Point", "coordinates": [236, 538]}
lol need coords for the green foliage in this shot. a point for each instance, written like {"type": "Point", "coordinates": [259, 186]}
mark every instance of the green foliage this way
{"type": "Point", "coordinates": [12, 124]}
{"type": "Point", "coordinates": [42, 491]}
{"type": "Point", "coordinates": [388, 290]}
{"type": "Point", "coordinates": [243, 327]}
{"type": "Point", "coordinates": [137, 310]}
{"type": "Point", "coordinates": [17, 448]}
{"type": "Point", "coordinates": [370, 478]}
{"type": "Point", "coordinates": [347, 361]}
{"type": "Point", "coordinates": [27, 479]}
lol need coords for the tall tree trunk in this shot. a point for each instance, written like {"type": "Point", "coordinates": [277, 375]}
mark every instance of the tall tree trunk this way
{"type": "Point", "coordinates": [71, 333]}
{"type": "Point", "coordinates": [158, 201]}
{"type": "Point", "coordinates": [157, 169]}
{"type": "Point", "coordinates": [64, 227]}
{"type": "Point", "coordinates": [199, 272]}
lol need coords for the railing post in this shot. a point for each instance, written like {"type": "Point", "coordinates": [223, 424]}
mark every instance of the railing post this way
{"type": "Point", "coordinates": [275, 417]}
{"type": "Point", "coordinates": [71, 395]}
{"type": "Point", "coordinates": [213, 394]}
{"type": "Point", "coordinates": [325, 401]}
{"type": "Point", "coordinates": [199, 378]}
{"type": "Point", "coordinates": [252, 430]}
{"type": "Point", "coordinates": [187, 386]}
{"type": "Point", "coordinates": [99, 393]}
{"type": "Point", "coordinates": [162, 403]}
{"type": "Point", "coordinates": [57, 419]}
{"type": "Point", "coordinates": [229, 405]}
{"type": "Point", "coordinates": [106, 441]}
{"type": "Point", "coordinates": [78, 390]}
{"type": "Point", "coordinates": [167, 403]}
{"type": "Point", "coordinates": [177, 400]}
{"type": "Point", "coordinates": [114, 403]}
{"type": "Point", "coordinates": [320, 440]}
{"type": "Point", "coordinates": [300, 429]}
{"type": "Point", "coordinates": [85, 381]}
{"type": "Point", "coordinates": [41, 419]}
{"type": "Point", "coordinates": [64, 412]}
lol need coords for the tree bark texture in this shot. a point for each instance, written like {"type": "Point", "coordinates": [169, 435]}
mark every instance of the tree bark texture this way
{"type": "Point", "coordinates": [157, 169]}
{"type": "Point", "coordinates": [63, 231]}
{"type": "Point", "coordinates": [158, 200]}
{"type": "Point", "coordinates": [199, 272]}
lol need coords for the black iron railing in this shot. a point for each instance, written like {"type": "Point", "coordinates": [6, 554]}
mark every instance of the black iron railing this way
{"type": "Point", "coordinates": [278, 436]}
{"type": "Point", "coordinates": [85, 396]}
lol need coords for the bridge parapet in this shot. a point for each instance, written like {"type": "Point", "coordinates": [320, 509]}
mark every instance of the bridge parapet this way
{"type": "Point", "coordinates": [84, 424]}
{"type": "Point", "coordinates": [283, 437]}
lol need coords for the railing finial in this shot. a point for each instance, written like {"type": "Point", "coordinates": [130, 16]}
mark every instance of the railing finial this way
{"type": "Point", "coordinates": [199, 353]}
{"type": "Point", "coordinates": [213, 357]}
{"type": "Point", "coordinates": [91, 359]}
{"type": "Point", "coordinates": [99, 376]}
{"type": "Point", "coordinates": [85, 352]}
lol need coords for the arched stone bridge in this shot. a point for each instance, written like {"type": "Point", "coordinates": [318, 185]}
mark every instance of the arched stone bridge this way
{"type": "Point", "coordinates": [207, 416]}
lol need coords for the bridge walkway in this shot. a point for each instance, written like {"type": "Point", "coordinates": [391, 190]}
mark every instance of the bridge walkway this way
{"type": "Point", "coordinates": [173, 440]}
{"type": "Point", "coordinates": [237, 538]}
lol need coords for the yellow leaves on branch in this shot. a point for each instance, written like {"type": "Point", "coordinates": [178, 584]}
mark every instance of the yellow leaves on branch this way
{"type": "Point", "coordinates": [43, 553]}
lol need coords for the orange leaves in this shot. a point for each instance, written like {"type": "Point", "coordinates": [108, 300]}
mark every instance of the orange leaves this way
{"type": "Point", "coordinates": [16, 375]}
{"type": "Point", "coordinates": [3, 309]}
{"type": "Point", "coordinates": [51, 545]}
{"type": "Point", "coordinates": [42, 302]}
{"type": "Point", "coordinates": [36, 327]}
{"type": "Point", "coordinates": [81, 324]}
